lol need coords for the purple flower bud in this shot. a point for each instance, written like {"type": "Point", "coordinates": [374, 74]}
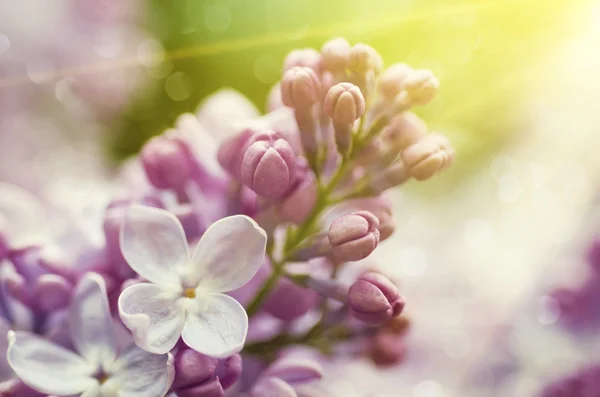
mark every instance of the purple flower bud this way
{"type": "Point", "coordinates": [193, 368]}
{"type": "Point", "coordinates": [403, 131]}
{"type": "Point", "coordinates": [300, 88]}
{"type": "Point", "coordinates": [289, 301]}
{"type": "Point", "coordinates": [167, 162]}
{"type": "Point", "coordinates": [344, 103]}
{"type": "Point", "coordinates": [335, 54]}
{"type": "Point", "coordinates": [295, 370]}
{"type": "Point", "coordinates": [392, 80]}
{"type": "Point", "coordinates": [307, 57]}
{"type": "Point", "coordinates": [229, 370]}
{"type": "Point", "coordinates": [374, 299]}
{"type": "Point", "coordinates": [354, 236]}
{"type": "Point", "coordinates": [422, 86]}
{"type": "Point", "coordinates": [269, 166]}
{"type": "Point", "coordinates": [428, 157]}
{"type": "Point", "coordinates": [231, 151]}
{"type": "Point", "coordinates": [387, 349]}
{"type": "Point", "coordinates": [211, 388]}
{"type": "Point", "coordinates": [53, 292]}
{"type": "Point", "coordinates": [301, 199]}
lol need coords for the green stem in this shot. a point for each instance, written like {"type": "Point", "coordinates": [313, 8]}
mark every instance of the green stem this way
{"type": "Point", "coordinates": [265, 290]}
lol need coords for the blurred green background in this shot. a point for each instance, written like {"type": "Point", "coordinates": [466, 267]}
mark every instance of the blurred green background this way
{"type": "Point", "coordinates": [485, 52]}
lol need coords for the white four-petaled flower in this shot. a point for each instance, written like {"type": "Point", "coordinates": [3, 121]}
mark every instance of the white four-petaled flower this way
{"type": "Point", "coordinates": [98, 371]}
{"type": "Point", "coordinates": [185, 296]}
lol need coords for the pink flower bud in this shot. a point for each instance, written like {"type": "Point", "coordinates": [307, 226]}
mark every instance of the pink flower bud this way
{"type": "Point", "coordinates": [363, 58]}
{"type": "Point", "coordinates": [231, 151]}
{"type": "Point", "coordinates": [307, 57]}
{"type": "Point", "coordinates": [53, 292]}
{"type": "Point", "coordinates": [387, 349]}
{"type": "Point", "coordinates": [404, 130]}
{"type": "Point", "coordinates": [301, 199]}
{"type": "Point", "coordinates": [428, 157]}
{"type": "Point", "coordinates": [335, 54]}
{"type": "Point", "coordinates": [392, 80]}
{"type": "Point", "coordinates": [344, 103]}
{"type": "Point", "coordinates": [167, 162]}
{"type": "Point", "coordinates": [300, 88]}
{"type": "Point", "coordinates": [354, 236]}
{"type": "Point", "coordinates": [422, 86]}
{"type": "Point", "coordinates": [374, 299]}
{"type": "Point", "coordinates": [269, 167]}
{"type": "Point", "coordinates": [289, 301]}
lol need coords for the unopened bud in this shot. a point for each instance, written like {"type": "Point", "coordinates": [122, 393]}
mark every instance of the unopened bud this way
{"type": "Point", "coordinates": [300, 88]}
{"type": "Point", "coordinates": [354, 236]}
{"type": "Point", "coordinates": [335, 55]}
{"type": "Point", "coordinates": [374, 299]}
{"type": "Point", "coordinates": [428, 157]}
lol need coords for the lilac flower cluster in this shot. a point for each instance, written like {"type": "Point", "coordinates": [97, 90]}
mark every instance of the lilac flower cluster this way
{"type": "Point", "coordinates": [281, 210]}
{"type": "Point", "coordinates": [580, 306]}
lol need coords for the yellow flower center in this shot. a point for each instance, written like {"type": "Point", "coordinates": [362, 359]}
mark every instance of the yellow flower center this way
{"type": "Point", "coordinates": [102, 379]}
{"type": "Point", "coordinates": [189, 293]}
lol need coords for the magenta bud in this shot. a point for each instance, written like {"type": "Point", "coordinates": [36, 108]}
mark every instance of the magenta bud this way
{"type": "Point", "coordinates": [269, 167]}
{"type": "Point", "coordinates": [289, 301]}
{"type": "Point", "coordinates": [167, 162]}
{"type": "Point", "coordinates": [53, 292]}
{"type": "Point", "coordinates": [335, 54]}
{"type": "Point", "coordinates": [231, 151]}
{"type": "Point", "coordinates": [422, 86]}
{"type": "Point", "coordinates": [14, 284]}
{"type": "Point", "coordinates": [354, 236]}
{"type": "Point", "coordinates": [374, 299]}
{"type": "Point", "coordinates": [344, 103]}
{"type": "Point", "coordinates": [392, 80]}
{"type": "Point", "coordinates": [300, 88]}
{"type": "Point", "coordinates": [301, 199]}
{"type": "Point", "coordinates": [193, 368]}
{"type": "Point", "coordinates": [428, 157]}
{"type": "Point", "coordinates": [307, 57]}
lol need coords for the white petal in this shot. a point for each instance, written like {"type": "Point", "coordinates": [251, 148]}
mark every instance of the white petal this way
{"type": "Point", "coordinates": [229, 253]}
{"type": "Point", "coordinates": [143, 374]}
{"type": "Point", "coordinates": [153, 243]}
{"type": "Point", "coordinates": [94, 391]}
{"type": "Point", "coordinates": [154, 316]}
{"type": "Point", "coordinates": [90, 321]}
{"type": "Point", "coordinates": [216, 325]}
{"type": "Point", "coordinates": [47, 367]}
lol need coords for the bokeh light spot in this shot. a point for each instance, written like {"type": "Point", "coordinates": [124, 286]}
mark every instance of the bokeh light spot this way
{"type": "Point", "coordinates": [509, 188]}
{"type": "Point", "coordinates": [217, 18]}
{"type": "Point", "coordinates": [178, 86]}
{"type": "Point", "coordinates": [150, 53]}
{"type": "Point", "coordinates": [478, 233]}
{"type": "Point", "coordinates": [267, 68]}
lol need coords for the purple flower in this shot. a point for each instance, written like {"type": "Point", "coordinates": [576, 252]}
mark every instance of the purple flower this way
{"type": "Point", "coordinates": [185, 296]}
{"type": "Point", "coordinates": [98, 369]}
